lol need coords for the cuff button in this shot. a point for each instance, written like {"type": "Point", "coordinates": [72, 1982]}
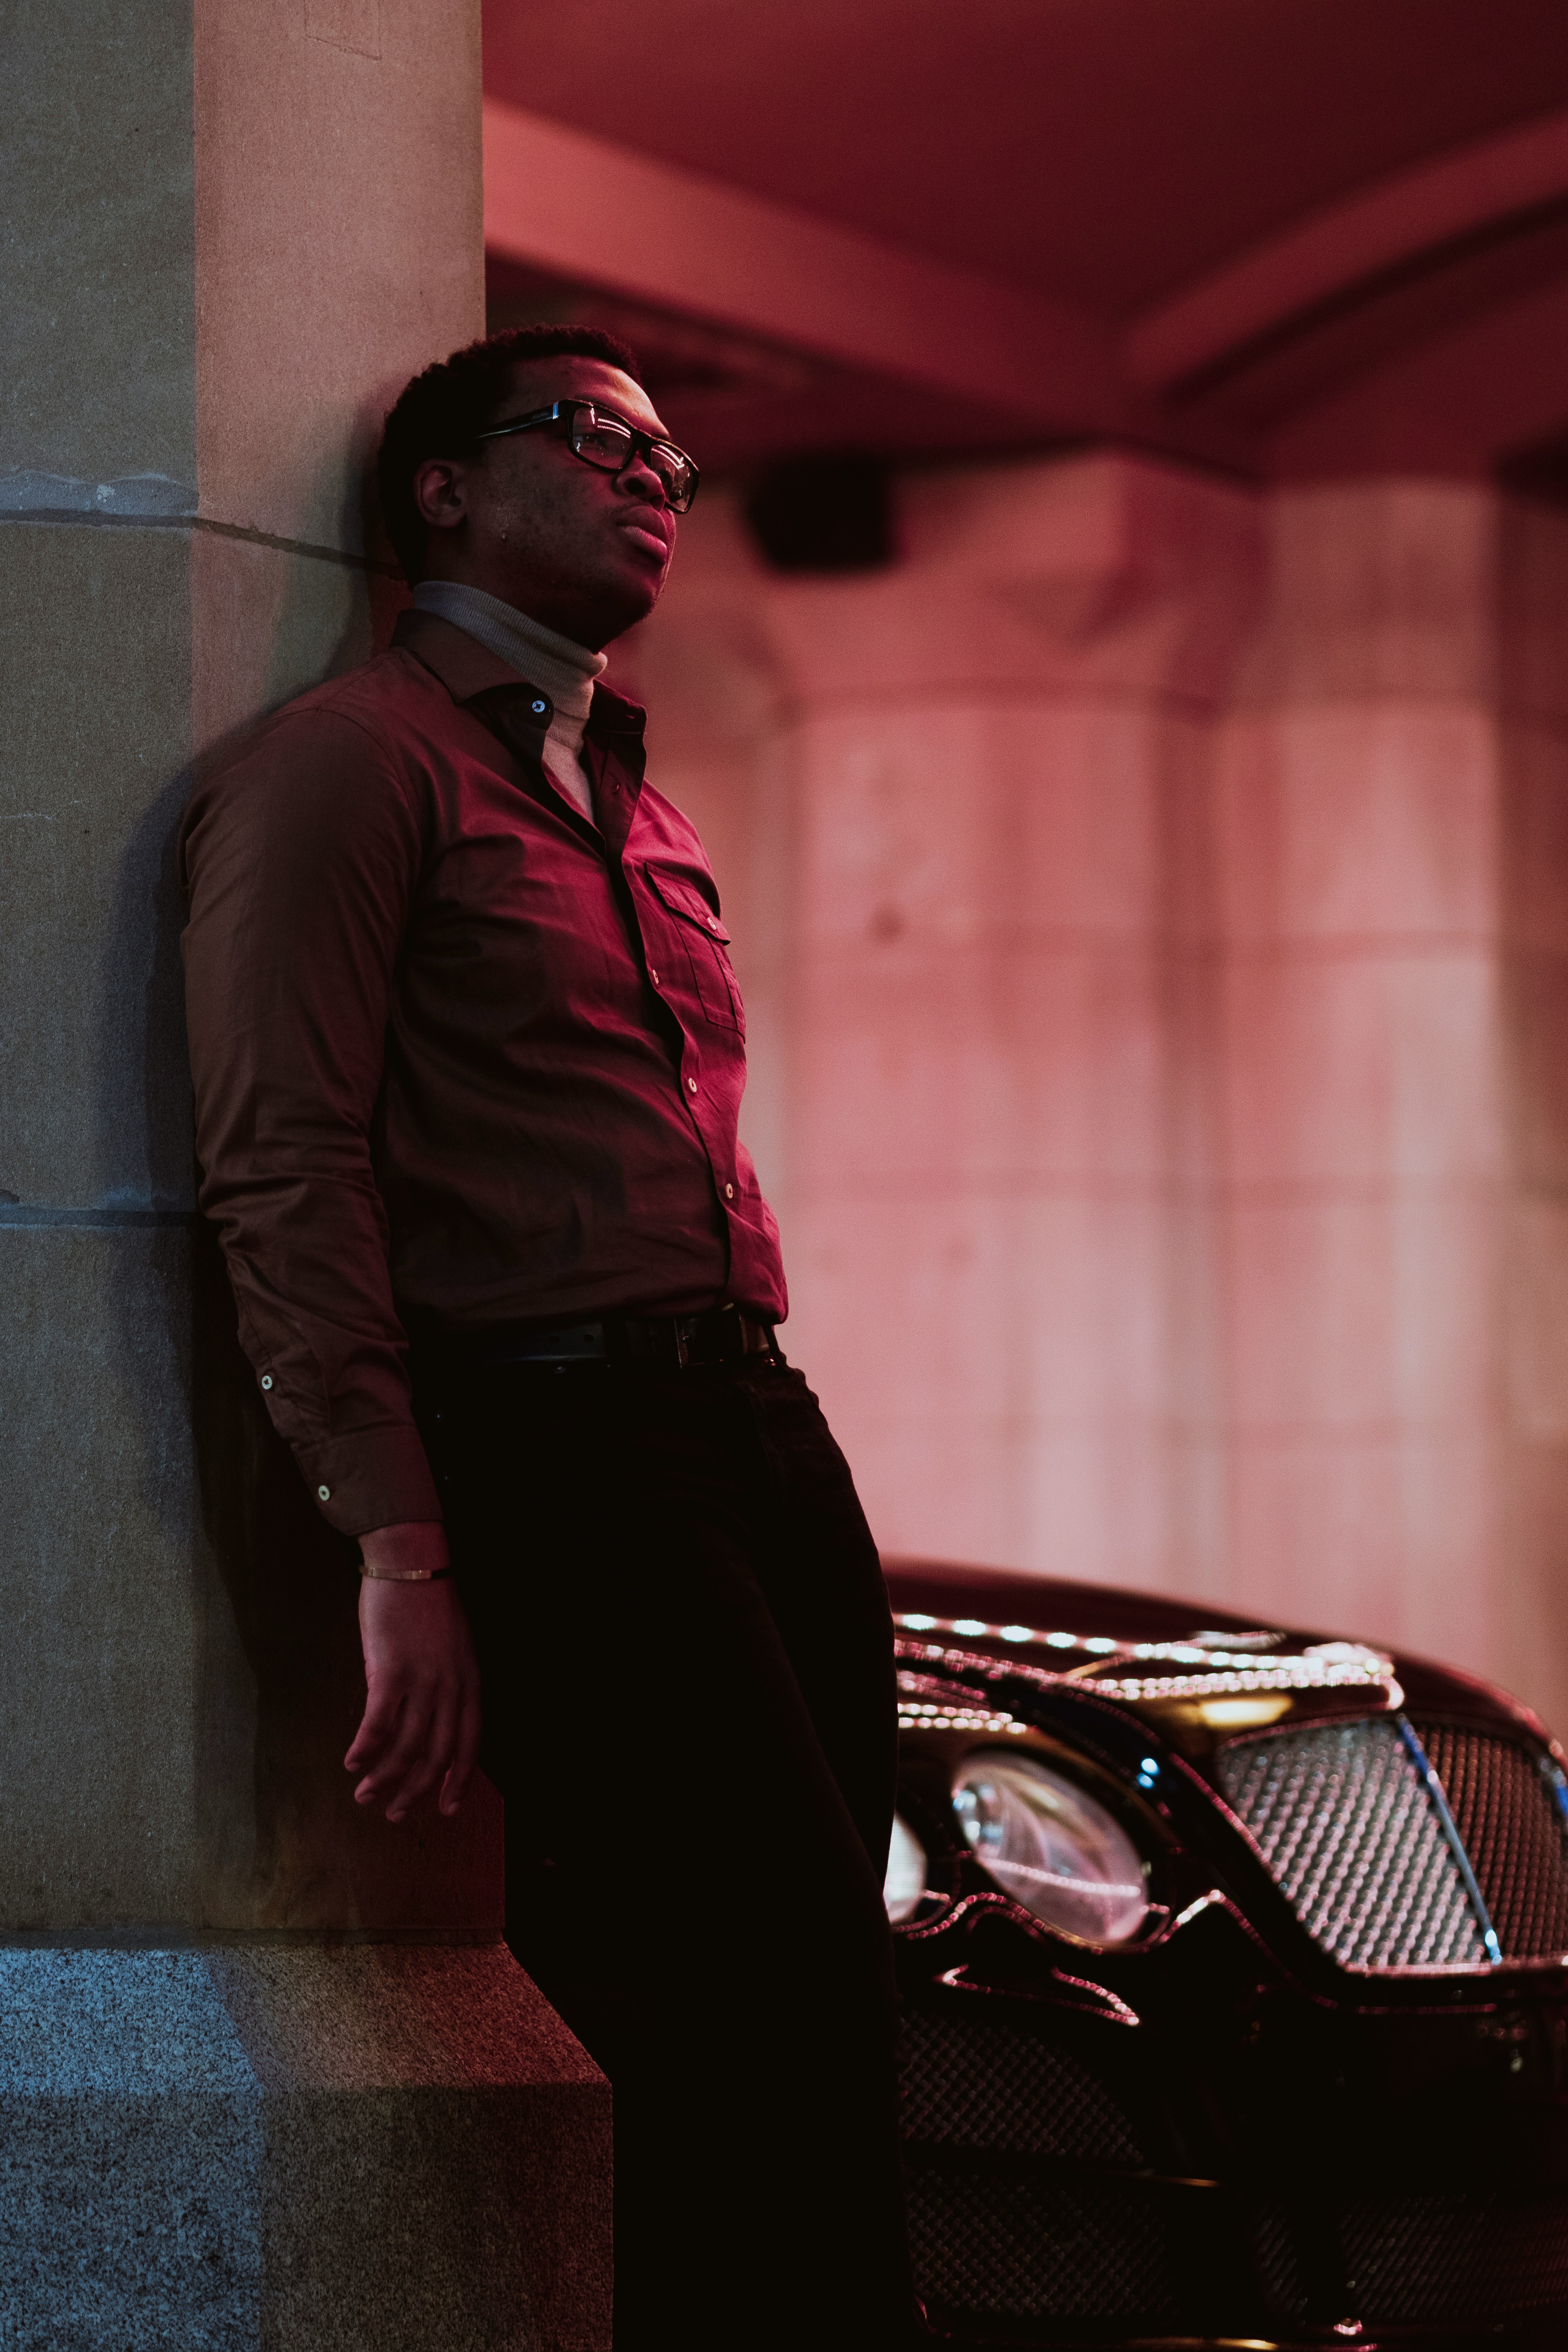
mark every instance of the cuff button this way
{"type": "Point", "coordinates": [266, 1379]}
{"type": "Point", "coordinates": [323, 1494]}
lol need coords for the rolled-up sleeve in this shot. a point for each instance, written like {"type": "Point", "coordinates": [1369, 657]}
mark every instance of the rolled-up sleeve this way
{"type": "Point", "coordinates": [300, 860]}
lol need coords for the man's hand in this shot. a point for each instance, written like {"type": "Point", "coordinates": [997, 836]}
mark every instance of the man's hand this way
{"type": "Point", "coordinates": [421, 1725]}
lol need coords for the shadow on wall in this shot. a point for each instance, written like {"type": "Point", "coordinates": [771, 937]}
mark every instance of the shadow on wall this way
{"type": "Point", "coordinates": [278, 1681]}
{"type": "Point", "coordinates": [288, 1589]}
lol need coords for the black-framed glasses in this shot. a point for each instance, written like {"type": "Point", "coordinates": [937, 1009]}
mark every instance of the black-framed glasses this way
{"type": "Point", "coordinates": [602, 439]}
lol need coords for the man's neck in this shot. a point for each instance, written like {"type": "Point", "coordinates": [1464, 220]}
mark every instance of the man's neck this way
{"type": "Point", "coordinates": [566, 671]}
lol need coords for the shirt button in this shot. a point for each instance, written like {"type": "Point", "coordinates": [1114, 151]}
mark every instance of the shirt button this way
{"type": "Point", "coordinates": [323, 1494]}
{"type": "Point", "coordinates": [266, 1379]}
{"type": "Point", "coordinates": [653, 975]}
{"type": "Point", "coordinates": [692, 1084]}
{"type": "Point", "coordinates": [540, 706]}
{"type": "Point", "coordinates": [729, 1192]}
{"type": "Point", "coordinates": [712, 922]}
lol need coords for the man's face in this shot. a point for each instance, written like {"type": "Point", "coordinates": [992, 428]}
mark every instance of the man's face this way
{"type": "Point", "coordinates": [584, 551]}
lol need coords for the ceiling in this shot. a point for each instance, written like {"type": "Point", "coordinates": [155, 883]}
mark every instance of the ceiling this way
{"type": "Point", "coordinates": [1310, 235]}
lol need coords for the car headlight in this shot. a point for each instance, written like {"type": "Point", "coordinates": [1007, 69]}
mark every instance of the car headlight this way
{"type": "Point", "coordinates": [1051, 1847]}
{"type": "Point", "coordinates": [906, 1880]}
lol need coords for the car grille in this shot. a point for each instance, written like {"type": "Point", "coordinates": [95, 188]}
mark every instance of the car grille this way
{"type": "Point", "coordinates": [1512, 1831]}
{"type": "Point", "coordinates": [1345, 1823]}
{"type": "Point", "coordinates": [1015, 2240]}
{"type": "Point", "coordinates": [1449, 2258]}
{"type": "Point", "coordinates": [1032, 2249]}
{"type": "Point", "coordinates": [972, 2082]}
{"type": "Point", "coordinates": [1349, 1828]}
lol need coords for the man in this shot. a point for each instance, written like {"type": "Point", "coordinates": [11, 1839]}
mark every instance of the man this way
{"type": "Point", "coordinates": [468, 1055]}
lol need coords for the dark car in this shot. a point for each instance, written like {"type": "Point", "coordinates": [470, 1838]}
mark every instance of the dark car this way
{"type": "Point", "coordinates": [1234, 1965]}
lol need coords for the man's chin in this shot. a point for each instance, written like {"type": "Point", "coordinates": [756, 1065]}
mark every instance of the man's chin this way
{"type": "Point", "coordinates": [630, 598]}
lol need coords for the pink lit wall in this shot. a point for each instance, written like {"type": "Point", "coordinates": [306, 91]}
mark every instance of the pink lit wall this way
{"type": "Point", "coordinates": [1152, 903]}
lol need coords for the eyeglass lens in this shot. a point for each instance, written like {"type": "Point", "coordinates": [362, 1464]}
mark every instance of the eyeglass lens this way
{"type": "Point", "coordinates": [603, 441]}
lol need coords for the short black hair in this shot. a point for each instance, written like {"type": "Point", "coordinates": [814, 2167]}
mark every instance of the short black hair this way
{"type": "Point", "coordinates": [440, 413]}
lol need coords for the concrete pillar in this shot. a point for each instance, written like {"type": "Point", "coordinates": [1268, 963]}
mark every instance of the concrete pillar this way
{"type": "Point", "coordinates": [995, 745]}
{"type": "Point", "coordinates": [266, 2074]}
{"type": "Point", "coordinates": [1532, 922]}
{"type": "Point", "coordinates": [1391, 826]}
{"type": "Point", "coordinates": [973, 781]}
{"type": "Point", "coordinates": [1156, 898]}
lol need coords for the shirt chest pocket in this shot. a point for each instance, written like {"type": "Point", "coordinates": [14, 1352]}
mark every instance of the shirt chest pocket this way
{"type": "Point", "coordinates": [705, 940]}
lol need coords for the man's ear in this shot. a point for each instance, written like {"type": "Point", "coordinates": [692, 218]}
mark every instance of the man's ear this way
{"type": "Point", "coordinates": [441, 492]}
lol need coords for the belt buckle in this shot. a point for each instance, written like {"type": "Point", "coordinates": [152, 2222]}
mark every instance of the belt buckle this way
{"type": "Point", "coordinates": [719, 1335]}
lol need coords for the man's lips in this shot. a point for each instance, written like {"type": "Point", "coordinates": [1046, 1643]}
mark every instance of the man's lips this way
{"type": "Point", "coordinates": [647, 530]}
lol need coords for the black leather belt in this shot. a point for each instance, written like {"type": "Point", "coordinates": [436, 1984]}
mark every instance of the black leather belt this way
{"type": "Point", "coordinates": [722, 1335]}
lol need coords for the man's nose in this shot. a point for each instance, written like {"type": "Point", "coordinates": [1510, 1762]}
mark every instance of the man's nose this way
{"type": "Point", "coordinates": [638, 478]}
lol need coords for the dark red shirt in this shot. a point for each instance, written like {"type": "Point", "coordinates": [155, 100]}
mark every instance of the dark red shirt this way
{"type": "Point", "coordinates": [462, 1059]}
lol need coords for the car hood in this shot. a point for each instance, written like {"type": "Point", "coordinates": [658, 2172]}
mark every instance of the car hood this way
{"type": "Point", "coordinates": [1198, 1671]}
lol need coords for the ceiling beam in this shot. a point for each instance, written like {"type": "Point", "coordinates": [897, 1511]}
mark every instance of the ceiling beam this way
{"type": "Point", "coordinates": [560, 200]}
{"type": "Point", "coordinates": [1346, 245]}
{"type": "Point", "coordinates": [1453, 403]}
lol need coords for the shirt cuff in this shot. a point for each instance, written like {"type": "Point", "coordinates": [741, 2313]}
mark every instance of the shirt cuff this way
{"type": "Point", "coordinates": [370, 1479]}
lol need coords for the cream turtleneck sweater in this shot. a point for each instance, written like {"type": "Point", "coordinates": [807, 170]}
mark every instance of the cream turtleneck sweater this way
{"type": "Point", "coordinates": [565, 671]}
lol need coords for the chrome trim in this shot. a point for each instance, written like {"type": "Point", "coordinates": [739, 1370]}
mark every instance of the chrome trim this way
{"type": "Point", "coordinates": [1450, 1829]}
{"type": "Point", "coordinates": [1323, 1665]}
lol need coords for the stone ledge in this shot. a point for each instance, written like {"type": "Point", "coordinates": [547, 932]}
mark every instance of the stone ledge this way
{"type": "Point", "coordinates": [340, 2148]}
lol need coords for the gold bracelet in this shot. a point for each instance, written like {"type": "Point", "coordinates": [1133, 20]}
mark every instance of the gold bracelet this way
{"type": "Point", "coordinates": [404, 1575]}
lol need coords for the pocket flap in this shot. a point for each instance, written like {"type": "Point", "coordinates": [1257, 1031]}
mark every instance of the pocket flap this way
{"type": "Point", "coordinates": [685, 900]}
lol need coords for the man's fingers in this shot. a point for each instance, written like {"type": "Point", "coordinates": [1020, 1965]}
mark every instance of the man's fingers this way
{"type": "Point", "coordinates": [430, 1763]}
{"type": "Point", "coordinates": [466, 1760]}
{"type": "Point", "coordinates": [378, 1726]}
{"type": "Point", "coordinates": [421, 1717]}
{"type": "Point", "coordinates": [392, 1768]}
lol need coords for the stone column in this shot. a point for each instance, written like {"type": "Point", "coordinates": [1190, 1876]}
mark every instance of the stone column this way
{"type": "Point", "coordinates": [1532, 1639]}
{"type": "Point", "coordinates": [1155, 898]}
{"type": "Point", "coordinates": [266, 2074]}
{"type": "Point", "coordinates": [998, 746]}
{"type": "Point", "coordinates": [1391, 833]}
{"type": "Point", "coordinates": [961, 840]}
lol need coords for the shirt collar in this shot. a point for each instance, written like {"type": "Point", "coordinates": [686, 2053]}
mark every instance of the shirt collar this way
{"type": "Point", "coordinates": [467, 668]}
{"type": "Point", "coordinates": [565, 670]}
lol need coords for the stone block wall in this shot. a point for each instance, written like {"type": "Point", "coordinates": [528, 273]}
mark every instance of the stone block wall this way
{"type": "Point", "coordinates": [267, 2074]}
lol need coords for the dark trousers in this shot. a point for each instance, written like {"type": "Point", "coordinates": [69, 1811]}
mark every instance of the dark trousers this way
{"type": "Point", "coordinates": [687, 1660]}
